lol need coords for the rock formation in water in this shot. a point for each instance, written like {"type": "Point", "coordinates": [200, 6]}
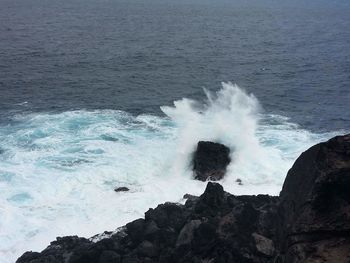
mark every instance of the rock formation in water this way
{"type": "Point", "coordinates": [309, 222]}
{"type": "Point", "coordinates": [210, 161]}
{"type": "Point", "coordinates": [121, 189]}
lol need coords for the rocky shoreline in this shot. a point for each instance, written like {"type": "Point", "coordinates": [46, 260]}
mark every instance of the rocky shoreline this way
{"type": "Point", "coordinates": [308, 222]}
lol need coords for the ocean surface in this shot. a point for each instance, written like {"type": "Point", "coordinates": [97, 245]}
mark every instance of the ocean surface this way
{"type": "Point", "coordinates": [100, 94]}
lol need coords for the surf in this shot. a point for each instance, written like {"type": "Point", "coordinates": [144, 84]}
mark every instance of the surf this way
{"type": "Point", "coordinates": [58, 170]}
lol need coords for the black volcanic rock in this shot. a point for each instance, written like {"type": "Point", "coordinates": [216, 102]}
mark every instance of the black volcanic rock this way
{"type": "Point", "coordinates": [210, 161]}
{"type": "Point", "coordinates": [216, 227]}
{"type": "Point", "coordinates": [308, 223]}
{"type": "Point", "coordinates": [121, 189]}
{"type": "Point", "coordinates": [315, 204]}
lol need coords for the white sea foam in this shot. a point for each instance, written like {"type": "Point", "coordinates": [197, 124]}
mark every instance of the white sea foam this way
{"type": "Point", "coordinates": [58, 171]}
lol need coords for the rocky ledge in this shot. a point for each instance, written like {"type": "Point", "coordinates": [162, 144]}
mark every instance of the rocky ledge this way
{"type": "Point", "coordinates": [308, 222]}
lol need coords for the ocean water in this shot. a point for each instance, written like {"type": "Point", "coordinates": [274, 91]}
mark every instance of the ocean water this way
{"type": "Point", "coordinates": [100, 94]}
{"type": "Point", "coordinates": [58, 170]}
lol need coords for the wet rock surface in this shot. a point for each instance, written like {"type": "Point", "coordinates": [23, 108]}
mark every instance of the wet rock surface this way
{"type": "Point", "coordinates": [308, 222]}
{"type": "Point", "coordinates": [210, 161]}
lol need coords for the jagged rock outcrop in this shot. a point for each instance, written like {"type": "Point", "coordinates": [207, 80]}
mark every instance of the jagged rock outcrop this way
{"type": "Point", "coordinates": [308, 223]}
{"type": "Point", "coordinates": [215, 227]}
{"type": "Point", "coordinates": [210, 161]}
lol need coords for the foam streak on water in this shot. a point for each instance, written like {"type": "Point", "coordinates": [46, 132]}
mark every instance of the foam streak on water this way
{"type": "Point", "coordinates": [58, 171]}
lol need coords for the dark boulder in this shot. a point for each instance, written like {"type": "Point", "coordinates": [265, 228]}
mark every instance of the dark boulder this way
{"type": "Point", "coordinates": [315, 205]}
{"type": "Point", "coordinates": [239, 181]}
{"type": "Point", "coordinates": [121, 189]}
{"type": "Point", "coordinates": [210, 161]}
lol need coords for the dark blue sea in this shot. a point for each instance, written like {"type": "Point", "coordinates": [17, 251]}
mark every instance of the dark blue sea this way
{"type": "Point", "coordinates": [98, 94]}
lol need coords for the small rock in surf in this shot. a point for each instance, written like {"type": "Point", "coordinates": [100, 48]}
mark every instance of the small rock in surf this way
{"type": "Point", "coordinates": [210, 161]}
{"type": "Point", "coordinates": [121, 189]}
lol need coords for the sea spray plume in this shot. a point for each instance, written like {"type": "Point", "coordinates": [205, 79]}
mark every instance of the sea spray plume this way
{"type": "Point", "coordinates": [229, 116]}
